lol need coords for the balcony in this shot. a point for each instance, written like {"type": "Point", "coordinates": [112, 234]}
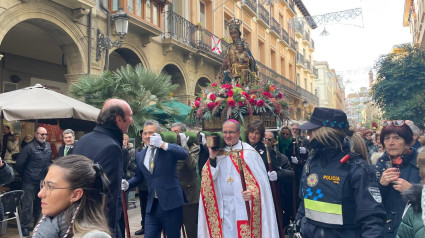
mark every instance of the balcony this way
{"type": "Point", "coordinates": [292, 6]}
{"type": "Point", "coordinates": [264, 16]}
{"type": "Point", "coordinates": [138, 24]}
{"type": "Point", "coordinates": [275, 28]}
{"type": "Point", "coordinates": [311, 45]}
{"type": "Point", "coordinates": [293, 44]}
{"type": "Point", "coordinates": [190, 38]}
{"type": "Point", "coordinates": [299, 29]}
{"type": "Point", "coordinates": [309, 96]}
{"type": "Point", "coordinates": [250, 7]}
{"type": "Point", "coordinates": [306, 38]}
{"type": "Point", "coordinates": [285, 37]}
{"type": "Point", "coordinates": [274, 77]}
{"type": "Point", "coordinates": [307, 66]}
{"type": "Point", "coordinates": [300, 60]}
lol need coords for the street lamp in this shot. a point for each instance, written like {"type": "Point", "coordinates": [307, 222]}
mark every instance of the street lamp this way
{"type": "Point", "coordinates": [305, 103]}
{"type": "Point", "coordinates": [121, 28]}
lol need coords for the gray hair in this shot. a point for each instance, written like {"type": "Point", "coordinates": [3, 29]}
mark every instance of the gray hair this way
{"type": "Point", "coordinates": [295, 124]}
{"type": "Point", "coordinates": [153, 123]}
{"type": "Point", "coordinates": [415, 129]}
{"type": "Point", "coordinates": [68, 131]}
{"type": "Point", "coordinates": [179, 124]}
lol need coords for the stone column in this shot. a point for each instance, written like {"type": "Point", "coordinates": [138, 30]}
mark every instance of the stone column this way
{"type": "Point", "coordinates": [72, 78]}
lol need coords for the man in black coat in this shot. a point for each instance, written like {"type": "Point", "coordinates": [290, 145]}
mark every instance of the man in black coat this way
{"type": "Point", "coordinates": [104, 146]}
{"type": "Point", "coordinates": [32, 164]}
{"type": "Point", "coordinates": [6, 134]}
{"type": "Point", "coordinates": [68, 148]}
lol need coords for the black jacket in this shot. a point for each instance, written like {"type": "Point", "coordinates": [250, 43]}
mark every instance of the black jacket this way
{"type": "Point", "coordinates": [34, 161]}
{"type": "Point", "coordinates": [103, 146]}
{"type": "Point", "coordinates": [280, 163]}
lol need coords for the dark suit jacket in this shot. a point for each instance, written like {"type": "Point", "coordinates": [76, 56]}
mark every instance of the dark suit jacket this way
{"type": "Point", "coordinates": [62, 150]}
{"type": "Point", "coordinates": [164, 178]}
{"type": "Point", "coordinates": [103, 145]}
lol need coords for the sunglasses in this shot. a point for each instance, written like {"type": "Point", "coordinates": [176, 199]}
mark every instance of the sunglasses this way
{"type": "Point", "coordinates": [285, 134]}
{"type": "Point", "coordinates": [394, 122]}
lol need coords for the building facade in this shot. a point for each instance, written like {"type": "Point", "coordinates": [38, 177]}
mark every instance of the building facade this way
{"type": "Point", "coordinates": [55, 42]}
{"type": "Point", "coordinates": [414, 18]}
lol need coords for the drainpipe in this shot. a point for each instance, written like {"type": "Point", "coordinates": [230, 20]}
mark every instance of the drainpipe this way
{"type": "Point", "coordinates": [108, 32]}
{"type": "Point", "coordinates": [89, 23]}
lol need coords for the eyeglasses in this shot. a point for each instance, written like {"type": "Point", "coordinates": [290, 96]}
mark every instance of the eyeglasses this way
{"type": "Point", "coordinates": [49, 187]}
{"type": "Point", "coordinates": [229, 132]}
{"type": "Point", "coordinates": [394, 122]}
{"type": "Point", "coordinates": [43, 134]}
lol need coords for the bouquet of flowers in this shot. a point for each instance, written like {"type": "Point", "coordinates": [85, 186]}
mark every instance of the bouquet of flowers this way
{"type": "Point", "coordinates": [236, 101]}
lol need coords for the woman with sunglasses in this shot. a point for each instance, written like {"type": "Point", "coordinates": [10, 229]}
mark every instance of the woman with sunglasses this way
{"type": "Point", "coordinates": [396, 171]}
{"type": "Point", "coordinates": [72, 200]}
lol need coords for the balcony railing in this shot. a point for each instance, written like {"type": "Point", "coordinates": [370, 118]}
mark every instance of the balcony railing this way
{"type": "Point", "coordinates": [307, 37]}
{"type": "Point", "coordinates": [309, 96]}
{"type": "Point", "coordinates": [271, 75]}
{"type": "Point", "coordinates": [275, 26]}
{"type": "Point", "coordinates": [316, 72]}
{"type": "Point", "coordinates": [312, 43]}
{"type": "Point", "coordinates": [299, 27]}
{"type": "Point", "coordinates": [300, 58]}
{"type": "Point", "coordinates": [251, 4]}
{"type": "Point", "coordinates": [307, 64]}
{"type": "Point", "coordinates": [182, 30]}
{"type": "Point", "coordinates": [293, 44]}
{"type": "Point", "coordinates": [285, 36]}
{"type": "Point", "coordinates": [292, 5]}
{"type": "Point", "coordinates": [264, 14]}
{"type": "Point", "coordinates": [205, 42]}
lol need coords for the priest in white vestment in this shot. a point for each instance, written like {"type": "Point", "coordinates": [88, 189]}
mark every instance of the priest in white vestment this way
{"type": "Point", "coordinates": [222, 209]}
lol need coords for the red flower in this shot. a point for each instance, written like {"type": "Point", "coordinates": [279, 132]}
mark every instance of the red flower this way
{"type": "Point", "coordinates": [238, 85]}
{"type": "Point", "coordinates": [260, 103]}
{"type": "Point", "coordinates": [231, 103]}
{"type": "Point", "coordinates": [252, 101]}
{"type": "Point", "coordinates": [214, 84]}
{"type": "Point", "coordinates": [213, 97]}
{"type": "Point", "coordinates": [279, 95]}
{"type": "Point", "coordinates": [210, 105]}
{"type": "Point", "coordinates": [245, 94]}
{"type": "Point", "coordinates": [226, 86]}
{"type": "Point", "coordinates": [216, 103]}
{"type": "Point", "coordinates": [197, 102]}
{"type": "Point", "coordinates": [241, 104]}
{"type": "Point", "coordinates": [198, 99]}
{"type": "Point", "coordinates": [230, 93]}
{"type": "Point", "coordinates": [267, 94]}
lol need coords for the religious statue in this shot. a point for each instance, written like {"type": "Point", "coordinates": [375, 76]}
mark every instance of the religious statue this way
{"type": "Point", "coordinates": [238, 63]}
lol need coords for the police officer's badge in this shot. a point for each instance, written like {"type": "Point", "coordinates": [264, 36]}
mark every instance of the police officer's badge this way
{"type": "Point", "coordinates": [312, 180]}
{"type": "Point", "coordinates": [376, 194]}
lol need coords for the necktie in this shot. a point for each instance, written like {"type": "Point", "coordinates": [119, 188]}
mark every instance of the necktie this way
{"type": "Point", "coordinates": [66, 150]}
{"type": "Point", "coordinates": [151, 164]}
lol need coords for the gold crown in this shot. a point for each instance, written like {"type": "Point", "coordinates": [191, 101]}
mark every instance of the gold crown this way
{"type": "Point", "coordinates": [234, 23]}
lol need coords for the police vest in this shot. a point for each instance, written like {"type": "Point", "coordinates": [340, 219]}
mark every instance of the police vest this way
{"type": "Point", "coordinates": [324, 191]}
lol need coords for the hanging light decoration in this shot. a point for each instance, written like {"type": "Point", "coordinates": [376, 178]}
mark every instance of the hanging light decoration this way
{"type": "Point", "coordinates": [324, 32]}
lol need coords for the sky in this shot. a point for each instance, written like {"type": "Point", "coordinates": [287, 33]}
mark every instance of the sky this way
{"type": "Point", "coordinates": [353, 46]}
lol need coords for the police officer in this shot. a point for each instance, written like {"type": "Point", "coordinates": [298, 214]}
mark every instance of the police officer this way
{"type": "Point", "coordinates": [339, 193]}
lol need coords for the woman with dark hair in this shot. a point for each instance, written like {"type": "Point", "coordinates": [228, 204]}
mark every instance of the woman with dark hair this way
{"type": "Point", "coordinates": [72, 200]}
{"type": "Point", "coordinates": [338, 191]}
{"type": "Point", "coordinates": [396, 171]}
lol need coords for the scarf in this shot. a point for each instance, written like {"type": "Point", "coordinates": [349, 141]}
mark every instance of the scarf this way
{"type": "Point", "coordinates": [52, 227]}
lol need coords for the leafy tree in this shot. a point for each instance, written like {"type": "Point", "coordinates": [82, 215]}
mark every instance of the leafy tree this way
{"type": "Point", "coordinates": [140, 87]}
{"type": "Point", "coordinates": [400, 87]}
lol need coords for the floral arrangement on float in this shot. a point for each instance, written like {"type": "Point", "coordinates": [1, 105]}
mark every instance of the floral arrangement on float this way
{"type": "Point", "coordinates": [232, 100]}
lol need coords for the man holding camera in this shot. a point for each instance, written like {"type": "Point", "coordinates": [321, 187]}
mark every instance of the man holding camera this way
{"type": "Point", "coordinates": [225, 210]}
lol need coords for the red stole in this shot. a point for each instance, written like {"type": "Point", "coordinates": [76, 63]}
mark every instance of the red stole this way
{"type": "Point", "coordinates": [210, 204]}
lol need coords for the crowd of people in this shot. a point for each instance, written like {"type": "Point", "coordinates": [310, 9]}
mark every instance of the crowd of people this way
{"type": "Point", "coordinates": [318, 179]}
